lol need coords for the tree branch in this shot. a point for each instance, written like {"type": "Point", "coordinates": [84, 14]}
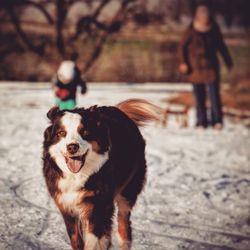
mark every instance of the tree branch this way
{"type": "Point", "coordinates": [118, 18]}
{"type": "Point", "coordinates": [37, 49]}
{"type": "Point", "coordinates": [84, 24]}
{"type": "Point", "coordinates": [41, 8]}
{"type": "Point", "coordinates": [61, 8]}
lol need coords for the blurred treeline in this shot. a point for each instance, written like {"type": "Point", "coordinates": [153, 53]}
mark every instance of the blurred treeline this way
{"type": "Point", "coordinates": [116, 40]}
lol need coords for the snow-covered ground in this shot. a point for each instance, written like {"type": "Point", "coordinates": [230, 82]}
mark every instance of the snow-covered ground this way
{"type": "Point", "coordinates": [197, 194]}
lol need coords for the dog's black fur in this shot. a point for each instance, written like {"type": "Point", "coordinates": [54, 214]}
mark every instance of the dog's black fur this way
{"type": "Point", "coordinates": [111, 130]}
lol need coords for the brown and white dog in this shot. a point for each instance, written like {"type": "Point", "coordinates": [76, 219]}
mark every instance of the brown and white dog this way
{"type": "Point", "coordinates": [93, 159]}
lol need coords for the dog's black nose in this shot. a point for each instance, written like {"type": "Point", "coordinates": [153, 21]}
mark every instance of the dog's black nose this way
{"type": "Point", "coordinates": [72, 148]}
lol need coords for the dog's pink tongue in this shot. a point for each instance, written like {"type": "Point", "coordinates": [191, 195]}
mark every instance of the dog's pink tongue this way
{"type": "Point", "coordinates": [74, 165]}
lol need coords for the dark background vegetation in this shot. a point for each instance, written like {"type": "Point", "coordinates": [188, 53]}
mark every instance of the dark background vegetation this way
{"type": "Point", "coordinates": [117, 40]}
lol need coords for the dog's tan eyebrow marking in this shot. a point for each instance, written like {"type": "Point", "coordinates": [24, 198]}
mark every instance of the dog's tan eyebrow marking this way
{"type": "Point", "coordinates": [60, 126]}
{"type": "Point", "coordinates": [95, 146]}
{"type": "Point", "coordinates": [81, 126]}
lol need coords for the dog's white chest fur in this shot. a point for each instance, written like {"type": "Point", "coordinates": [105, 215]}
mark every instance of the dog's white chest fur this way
{"type": "Point", "coordinates": [71, 192]}
{"type": "Point", "coordinates": [71, 185]}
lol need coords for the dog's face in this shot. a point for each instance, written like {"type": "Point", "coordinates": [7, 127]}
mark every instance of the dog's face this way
{"type": "Point", "coordinates": [77, 138]}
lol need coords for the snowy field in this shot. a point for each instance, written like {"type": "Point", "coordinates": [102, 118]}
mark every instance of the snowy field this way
{"type": "Point", "coordinates": [197, 194]}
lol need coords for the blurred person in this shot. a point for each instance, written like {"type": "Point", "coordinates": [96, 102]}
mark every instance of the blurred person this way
{"type": "Point", "coordinates": [198, 60]}
{"type": "Point", "coordinates": [65, 83]}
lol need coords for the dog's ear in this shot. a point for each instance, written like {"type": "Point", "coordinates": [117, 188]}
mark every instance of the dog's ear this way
{"type": "Point", "coordinates": [53, 112]}
{"type": "Point", "coordinates": [93, 108]}
{"type": "Point", "coordinates": [47, 134]}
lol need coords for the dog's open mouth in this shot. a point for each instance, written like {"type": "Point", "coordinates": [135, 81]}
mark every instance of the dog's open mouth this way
{"type": "Point", "coordinates": [75, 163]}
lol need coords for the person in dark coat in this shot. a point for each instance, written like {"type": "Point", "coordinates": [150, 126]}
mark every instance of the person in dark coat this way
{"type": "Point", "coordinates": [198, 51]}
{"type": "Point", "coordinates": [65, 82]}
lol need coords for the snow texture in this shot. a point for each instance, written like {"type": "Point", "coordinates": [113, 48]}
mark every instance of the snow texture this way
{"type": "Point", "coordinates": [197, 194]}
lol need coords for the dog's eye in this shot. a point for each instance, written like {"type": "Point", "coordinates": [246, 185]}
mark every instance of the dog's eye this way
{"type": "Point", "coordinates": [61, 133]}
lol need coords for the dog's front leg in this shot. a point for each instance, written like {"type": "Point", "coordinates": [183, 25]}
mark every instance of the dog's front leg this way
{"type": "Point", "coordinates": [95, 242]}
{"type": "Point", "coordinates": [73, 231]}
{"type": "Point", "coordinates": [98, 225]}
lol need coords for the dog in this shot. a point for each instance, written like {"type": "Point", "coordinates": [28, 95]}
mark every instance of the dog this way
{"type": "Point", "coordinates": [93, 159]}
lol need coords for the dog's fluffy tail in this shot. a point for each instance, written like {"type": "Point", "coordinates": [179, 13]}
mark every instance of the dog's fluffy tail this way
{"type": "Point", "coordinates": [140, 111]}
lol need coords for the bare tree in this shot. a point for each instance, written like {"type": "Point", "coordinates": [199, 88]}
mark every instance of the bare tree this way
{"type": "Point", "coordinates": [114, 26]}
{"type": "Point", "coordinates": [10, 6]}
{"type": "Point", "coordinates": [88, 25]}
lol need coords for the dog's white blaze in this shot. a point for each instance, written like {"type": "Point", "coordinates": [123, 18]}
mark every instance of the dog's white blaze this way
{"type": "Point", "coordinates": [71, 122]}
